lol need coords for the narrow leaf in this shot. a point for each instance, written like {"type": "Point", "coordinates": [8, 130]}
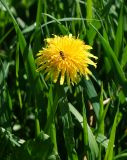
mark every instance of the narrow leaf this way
{"type": "Point", "coordinates": [119, 34]}
{"type": "Point", "coordinates": [91, 138]}
{"type": "Point", "coordinates": [109, 151]}
{"type": "Point", "coordinates": [92, 94]}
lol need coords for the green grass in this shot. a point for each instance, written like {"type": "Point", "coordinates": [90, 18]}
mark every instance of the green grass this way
{"type": "Point", "coordinates": [40, 120]}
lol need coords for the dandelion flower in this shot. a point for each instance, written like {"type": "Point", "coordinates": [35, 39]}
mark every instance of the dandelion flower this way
{"type": "Point", "coordinates": [65, 59]}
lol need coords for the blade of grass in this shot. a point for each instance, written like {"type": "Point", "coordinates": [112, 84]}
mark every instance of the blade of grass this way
{"type": "Point", "coordinates": [52, 114]}
{"type": "Point", "coordinates": [89, 9]}
{"type": "Point", "coordinates": [121, 156]}
{"type": "Point", "coordinates": [37, 34]}
{"type": "Point", "coordinates": [45, 6]}
{"type": "Point", "coordinates": [119, 34]}
{"type": "Point", "coordinates": [101, 120]}
{"type": "Point", "coordinates": [94, 151]}
{"type": "Point", "coordinates": [67, 19]}
{"type": "Point", "coordinates": [120, 76]}
{"type": "Point", "coordinates": [39, 14]}
{"type": "Point", "coordinates": [107, 63]}
{"type": "Point", "coordinates": [107, 7]}
{"type": "Point", "coordinates": [68, 130]}
{"type": "Point", "coordinates": [4, 37]}
{"type": "Point", "coordinates": [79, 14]}
{"type": "Point", "coordinates": [22, 41]}
{"type": "Point", "coordinates": [109, 151]}
{"type": "Point", "coordinates": [50, 16]}
{"type": "Point", "coordinates": [124, 57]}
{"type": "Point", "coordinates": [92, 94]}
{"type": "Point", "coordinates": [102, 140]}
{"type": "Point", "coordinates": [37, 124]}
{"type": "Point", "coordinates": [17, 76]}
{"type": "Point", "coordinates": [50, 110]}
{"type": "Point", "coordinates": [91, 33]}
{"type": "Point", "coordinates": [26, 53]}
{"type": "Point", "coordinates": [33, 76]}
{"type": "Point", "coordinates": [85, 130]}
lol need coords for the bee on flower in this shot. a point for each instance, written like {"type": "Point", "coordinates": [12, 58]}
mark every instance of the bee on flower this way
{"type": "Point", "coordinates": [65, 59]}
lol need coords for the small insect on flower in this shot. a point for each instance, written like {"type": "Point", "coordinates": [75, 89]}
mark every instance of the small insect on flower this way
{"type": "Point", "coordinates": [65, 59]}
{"type": "Point", "coordinates": [62, 55]}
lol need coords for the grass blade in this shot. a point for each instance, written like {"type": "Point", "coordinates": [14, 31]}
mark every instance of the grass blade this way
{"type": "Point", "coordinates": [109, 151]}
{"type": "Point", "coordinates": [39, 14]}
{"type": "Point", "coordinates": [26, 53]}
{"type": "Point", "coordinates": [91, 138]}
{"type": "Point", "coordinates": [68, 130]}
{"type": "Point", "coordinates": [121, 156]}
{"type": "Point", "coordinates": [85, 130]}
{"type": "Point", "coordinates": [119, 34]}
{"type": "Point", "coordinates": [89, 9]}
{"type": "Point", "coordinates": [120, 76]}
{"type": "Point", "coordinates": [101, 112]}
{"type": "Point", "coordinates": [124, 57]}
{"type": "Point", "coordinates": [92, 94]}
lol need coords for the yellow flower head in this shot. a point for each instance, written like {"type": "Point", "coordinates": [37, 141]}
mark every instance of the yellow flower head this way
{"type": "Point", "coordinates": [65, 59]}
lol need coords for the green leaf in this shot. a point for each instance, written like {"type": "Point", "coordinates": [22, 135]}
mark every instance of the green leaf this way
{"type": "Point", "coordinates": [39, 149]}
